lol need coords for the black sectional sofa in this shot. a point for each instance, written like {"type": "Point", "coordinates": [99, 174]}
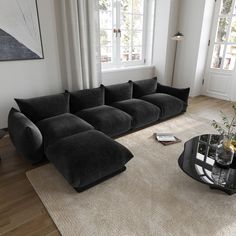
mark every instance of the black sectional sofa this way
{"type": "Point", "coordinates": [74, 130]}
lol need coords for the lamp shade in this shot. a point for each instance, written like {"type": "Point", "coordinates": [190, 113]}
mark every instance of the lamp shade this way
{"type": "Point", "coordinates": [178, 36]}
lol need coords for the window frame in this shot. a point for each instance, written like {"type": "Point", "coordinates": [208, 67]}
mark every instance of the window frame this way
{"type": "Point", "coordinates": [116, 62]}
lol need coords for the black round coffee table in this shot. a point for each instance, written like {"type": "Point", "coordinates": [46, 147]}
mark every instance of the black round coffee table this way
{"type": "Point", "coordinates": [198, 161]}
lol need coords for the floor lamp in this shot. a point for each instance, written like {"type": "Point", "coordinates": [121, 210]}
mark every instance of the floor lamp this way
{"type": "Point", "coordinates": [177, 37]}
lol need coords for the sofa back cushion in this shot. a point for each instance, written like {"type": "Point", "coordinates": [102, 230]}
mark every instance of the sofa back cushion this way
{"type": "Point", "coordinates": [118, 92]}
{"type": "Point", "coordinates": [25, 136]}
{"type": "Point", "coordinates": [39, 108]}
{"type": "Point", "coordinates": [144, 87]}
{"type": "Point", "coordinates": [86, 98]}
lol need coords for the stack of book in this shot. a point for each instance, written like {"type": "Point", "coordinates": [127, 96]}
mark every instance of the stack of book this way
{"type": "Point", "coordinates": [167, 138]}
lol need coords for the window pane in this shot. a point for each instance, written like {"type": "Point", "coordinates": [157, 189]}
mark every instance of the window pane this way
{"type": "Point", "coordinates": [106, 37]}
{"type": "Point", "coordinates": [126, 21]}
{"type": "Point", "coordinates": [232, 35]}
{"type": "Point", "coordinates": [105, 5]}
{"type": "Point", "coordinates": [217, 56]}
{"type": "Point", "coordinates": [222, 29]}
{"type": "Point", "coordinates": [136, 53]}
{"type": "Point", "coordinates": [126, 5]}
{"type": "Point", "coordinates": [226, 6]}
{"type": "Point", "coordinates": [126, 38]}
{"type": "Point", "coordinates": [230, 57]}
{"type": "Point", "coordinates": [138, 6]}
{"type": "Point", "coordinates": [106, 54]}
{"type": "Point", "coordinates": [137, 38]}
{"type": "Point", "coordinates": [125, 53]}
{"type": "Point", "coordinates": [105, 20]}
{"type": "Point", "coordinates": [130, 25]}
{"type": "Point", "coordinates": [137, 22]}
{"type": "Point", "coordinates": [234, 12]}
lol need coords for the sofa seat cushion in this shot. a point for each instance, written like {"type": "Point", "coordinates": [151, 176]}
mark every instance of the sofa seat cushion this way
{"type": "Point", "coordinates": [106, 119]}
{"type": "Point", "coordinates": [169, 105]}
{"type": "Point", "coordinates": [142, 112]}
{"type": "Point", "coordinates": [86, 158]}
{"type": "Point", "coordinates": [61, 126]}
{"type": "Point", "coordinates": [39, 108]}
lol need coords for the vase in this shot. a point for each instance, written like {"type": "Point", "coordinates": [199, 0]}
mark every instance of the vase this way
{"type": "Point", "coordinates": [225, 152]}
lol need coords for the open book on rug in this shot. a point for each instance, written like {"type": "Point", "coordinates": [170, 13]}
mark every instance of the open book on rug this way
{"type": "Point", "coordinates": [167, 138]}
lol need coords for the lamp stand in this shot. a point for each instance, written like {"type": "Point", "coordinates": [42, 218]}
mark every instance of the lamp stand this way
{"type": "Point", "coordinates": [176, 37]}
{"type": "Point", "coordinates": [173, 72]}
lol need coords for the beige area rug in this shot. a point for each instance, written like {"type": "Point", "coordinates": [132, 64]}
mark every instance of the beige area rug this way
{"type": "Point", "coordinates": [153, 197]}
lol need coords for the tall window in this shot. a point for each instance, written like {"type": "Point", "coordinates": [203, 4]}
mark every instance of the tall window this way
{"type": "Point", "coordinates": [224, 52]}
{"type": "Point", "coordinates": [122, 33]}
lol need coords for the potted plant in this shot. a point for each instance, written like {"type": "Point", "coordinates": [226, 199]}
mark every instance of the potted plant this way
{"type": "Point", "coordinates": [227, 146]}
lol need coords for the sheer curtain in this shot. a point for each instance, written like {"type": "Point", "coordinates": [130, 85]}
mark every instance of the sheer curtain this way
{"type": "Point", "coordinates": [82, 49]}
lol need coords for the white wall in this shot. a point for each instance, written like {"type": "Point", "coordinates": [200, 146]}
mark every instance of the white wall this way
{"type": "Point", "coordinates": [190, 22]}
{"type": "Point", "coordinates": [195, 23]}
{"type": "Point", "coordinates": [124, 75]}
{"type": "Point", "coordinates": [173, 29]}
{"type": "Point", "coordinates": [166, 25]}
{"type": "Point", "coordinates": [161, 33]}
{"type": "Point", "coordinates": [203, 47]}
{"type": "Point", "coordinates": [22, 79]}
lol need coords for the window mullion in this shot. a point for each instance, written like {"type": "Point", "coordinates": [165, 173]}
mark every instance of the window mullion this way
{"type": "Point", "coordinates": [132, 33]}
{"type": "Point", "coordinates": [114, 34]}
{"type": "Point", "coordinates": [144, 45]}
{"type": "Point", "coordinates": [230, 17]}
{"type": "Point", "coordinates": [118, 40]}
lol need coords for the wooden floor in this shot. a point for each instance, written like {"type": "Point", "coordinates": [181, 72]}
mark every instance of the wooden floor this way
{"type": "Point", "coordinates": [21, 211]}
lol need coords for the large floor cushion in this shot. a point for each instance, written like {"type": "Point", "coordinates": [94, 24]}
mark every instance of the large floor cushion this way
{"type": "Point", "coordinates": [87, 158]}
{"type": "Point", "coordinates": [61, 126]}
{"type": "Point", "coordinates": [169, 105]}
{"type": "Point", "coordinates": [106, 119]}
{"type": "Point", "coordinates": [142, 112]}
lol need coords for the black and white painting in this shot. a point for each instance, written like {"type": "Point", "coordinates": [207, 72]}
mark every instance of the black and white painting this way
{"type": "Point", "coordinates": [20, 37]}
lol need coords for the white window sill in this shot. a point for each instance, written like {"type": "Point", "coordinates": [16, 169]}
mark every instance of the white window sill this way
{"type": "Point", "coordinates": [127, 68]}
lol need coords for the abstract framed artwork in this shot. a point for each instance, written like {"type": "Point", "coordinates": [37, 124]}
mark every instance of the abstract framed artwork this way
{"type": "Point", "coordinates": [20, 34]}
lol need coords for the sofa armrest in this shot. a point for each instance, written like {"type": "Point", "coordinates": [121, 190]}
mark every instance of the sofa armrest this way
{"type": "Point", "coordinates": [25, 136]}
{"type": "Point", "coordinates": [182, 94]}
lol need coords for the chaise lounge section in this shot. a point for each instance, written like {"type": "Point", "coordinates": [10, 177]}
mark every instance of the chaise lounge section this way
{"type": "Point", "coordinates": [88, 158]}
{"type": "Point", "coordinates": [73, 130]}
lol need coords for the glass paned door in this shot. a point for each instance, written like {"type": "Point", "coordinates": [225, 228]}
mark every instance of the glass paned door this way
{"type": "Point", "coordinates": [224, 50]}
{"type": "Point", "coordinates": [220, 68]}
